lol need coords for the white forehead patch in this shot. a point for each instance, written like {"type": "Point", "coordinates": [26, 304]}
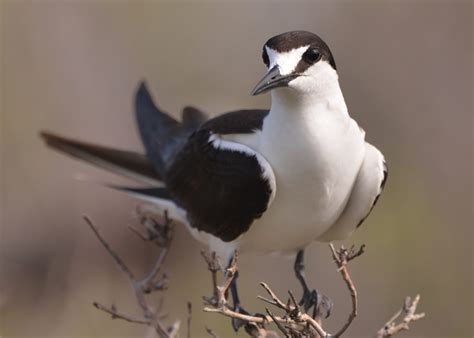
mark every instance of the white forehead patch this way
{"type": "Point", "coordinates": [286, 61]}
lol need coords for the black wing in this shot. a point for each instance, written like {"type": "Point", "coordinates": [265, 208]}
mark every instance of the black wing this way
{"type": "Point", "coordinates": [161, 134]}
{"type": "Point", "coordinates": [223, 190]}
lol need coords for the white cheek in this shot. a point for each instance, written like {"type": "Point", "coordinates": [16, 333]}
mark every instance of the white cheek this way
{"type": "Point", "coordinates": [304, 84]}
{"type": "Point", "coordinates": [286, 61]}
{"type": "Point", "coordinates": [316, 78]}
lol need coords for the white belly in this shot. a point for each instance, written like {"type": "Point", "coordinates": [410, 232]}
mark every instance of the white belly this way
{"type": "Point", "coordinates": [315, 162]}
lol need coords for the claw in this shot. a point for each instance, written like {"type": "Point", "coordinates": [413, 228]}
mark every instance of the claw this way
{"type": "Point", "coordinates": [321, 303]}
{"type": "Point", "coordinates": [238, 323]}
{"type": "Point", "coordinates": [325, 305]}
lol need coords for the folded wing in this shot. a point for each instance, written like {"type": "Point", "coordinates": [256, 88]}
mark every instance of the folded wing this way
{"type": "Point", "coordinates": [365, 193]}
{"type": "Point", "coordinates": [223, 186]}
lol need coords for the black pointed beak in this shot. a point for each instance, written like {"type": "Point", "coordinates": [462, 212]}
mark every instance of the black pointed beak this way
{"type": "Point", "coordinates": [272, 79]}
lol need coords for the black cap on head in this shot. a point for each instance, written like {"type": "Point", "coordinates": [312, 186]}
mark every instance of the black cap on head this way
{"type": "Point", "coordinates": [295, 39]}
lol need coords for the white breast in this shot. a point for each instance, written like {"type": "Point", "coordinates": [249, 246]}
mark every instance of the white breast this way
{"type": "Point", "coordinates": [315, 152]}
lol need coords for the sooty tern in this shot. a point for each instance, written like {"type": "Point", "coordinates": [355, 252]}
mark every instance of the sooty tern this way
{"type": "Point", "coordinates": [257, 180]}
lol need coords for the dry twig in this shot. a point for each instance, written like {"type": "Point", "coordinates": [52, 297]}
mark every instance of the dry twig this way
{"type": "Point", "coordinates": [342, 257]}
{"type": "Point", "coordinates": [190, 316]}
{"type": "Point", "coordinates": [409, 308]}
{"type": "Point", "coordinates": [161, 235]}
{"type": "Point", "coordinates": [293, 318]}
{"type": "Point", "coordinates": [211, 333]}
{"type": "Point", "coordinates": [295, 322]}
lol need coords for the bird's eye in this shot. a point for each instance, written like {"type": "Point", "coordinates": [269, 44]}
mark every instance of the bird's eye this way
{"type": "Point", "coordinates": [312, 55]}
{"type": "Point", "coordinates": [265, 58]}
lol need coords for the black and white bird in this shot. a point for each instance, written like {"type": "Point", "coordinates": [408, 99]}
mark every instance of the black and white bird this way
{"type": "Point", "coordinates": [257, 180]}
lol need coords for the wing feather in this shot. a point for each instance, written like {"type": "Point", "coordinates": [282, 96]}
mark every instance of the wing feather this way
{"type": "Point", "coordinates": [223, 190]}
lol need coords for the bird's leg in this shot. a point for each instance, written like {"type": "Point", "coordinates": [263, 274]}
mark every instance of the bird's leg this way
{"type": "Point", "coordinates": [311, 298]}
{"type": "Point", "coordinates": [236, 323]}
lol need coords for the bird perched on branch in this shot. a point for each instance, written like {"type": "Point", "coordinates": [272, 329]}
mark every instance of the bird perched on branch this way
{"type": "Point", "coordinates": [257, 180]}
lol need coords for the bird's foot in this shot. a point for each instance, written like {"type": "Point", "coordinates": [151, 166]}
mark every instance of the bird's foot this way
{"type": "Point", "coordinates": [321, 304]}
{"type": "Point", "coordinates": [237, 323]}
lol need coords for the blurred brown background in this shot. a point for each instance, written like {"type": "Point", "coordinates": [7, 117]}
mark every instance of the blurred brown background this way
{"type": "Point", "coordinates": [406, 69]}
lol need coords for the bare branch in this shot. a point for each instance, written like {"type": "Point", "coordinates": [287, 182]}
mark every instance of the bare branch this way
{"type": "Point", "coordinates": [342, 257]}
{"type": "Point", "coordinates": [278, 324]}
{"type": "Point", "coordinates": [295, 322]}
{"type": "Point", "coordinates": [138, 233]}
{"type": "Point", "coordinates": [115, 314]}
{"type": "Point", "coordinates": [214, 266]}
{"type": "Point", "coordinates": [109, 249]}
{"type": "Point", "coordinates": [190, 316]}
{"type": "Point", "coordinates": [160, 235]}
{"type": "Point", "coordinates": [211, 333]}
{"type": "Point", "coordinates": [409, 308]}
{"type": "Point", "coordinates": [293, 314]}
{"type": "Point", "coordinates": [275, 300]}
{"type": "Point", "coordinates": [147, 284]}
{"type": "Point", "coordinates": [173, 330]}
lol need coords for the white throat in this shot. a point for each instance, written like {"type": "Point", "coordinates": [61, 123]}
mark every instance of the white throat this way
{"type": "Point", "coordinates": [305, 128]}
{"type": "Point", "coordinates": [293, 104]}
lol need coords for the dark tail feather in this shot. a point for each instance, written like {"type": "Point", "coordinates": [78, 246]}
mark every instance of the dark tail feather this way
{"type": "Point", "coordinates": [160, 133]}
{"type": "Point", "coordinates": [192, 118]}
{"type": "Point", "coordinates": [126, 163]}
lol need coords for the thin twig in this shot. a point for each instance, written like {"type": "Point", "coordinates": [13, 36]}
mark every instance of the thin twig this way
{"type": "Point", "coordinates": [173, 330]}
{"type": "Point", "coordinates": [146, 282]}
{"type": "Point", "coordinates": [211, 333]}
{"type": "Point", "coordinates": [342, 257]}
{"type": "Point", "coordinates": [276, 301]}
{"type": "Point", "coordinates": [294, 315]}
{"type": "Point", "coordinates": [278, 324]}
{"type": "Point", "coordinates": [214, 266]}
{"type": "Point", "coordinates": [138, 233]}
{"type": "Point", "coordinates": [409, 308]}
{"type": "Point", "coordinates": [109, 249]}
{"type": "Point", "coordinates": [116, 314]}
{"type": "Point", "coordinates": [295, 322]}
{"type": "Point", "coordinates": [142, 286]}
{"type": "Point", "coordinates": [190, 316]}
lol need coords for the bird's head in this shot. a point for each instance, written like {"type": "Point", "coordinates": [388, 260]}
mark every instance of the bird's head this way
{"type": "Point", "coordinates": [297, 61]}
